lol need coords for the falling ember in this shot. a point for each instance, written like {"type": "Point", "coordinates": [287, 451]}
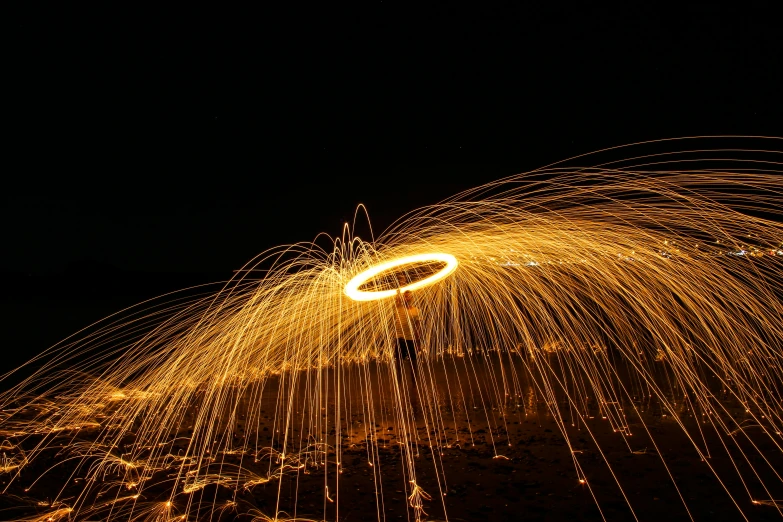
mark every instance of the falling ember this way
{"type": "Point", "coordinates": [600, 291]}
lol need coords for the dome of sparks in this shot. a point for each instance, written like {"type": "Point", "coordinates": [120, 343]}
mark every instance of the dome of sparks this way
{"type": "Point", "coordinates": [609, 300]}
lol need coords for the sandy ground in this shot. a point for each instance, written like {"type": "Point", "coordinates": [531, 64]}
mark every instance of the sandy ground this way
{"type": "Point", "coordinates": [480, 450]}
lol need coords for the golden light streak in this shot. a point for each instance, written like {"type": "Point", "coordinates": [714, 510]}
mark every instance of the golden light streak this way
{"type": "Point", "coordinates": [352, 288]}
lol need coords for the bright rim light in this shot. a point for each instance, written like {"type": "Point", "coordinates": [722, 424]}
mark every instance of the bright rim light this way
{"type": "Point", "coordinates": [352, 288]}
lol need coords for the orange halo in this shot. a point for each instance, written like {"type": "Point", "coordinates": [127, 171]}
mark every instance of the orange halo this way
{"type": "Point", "coordinates": [352, 288]}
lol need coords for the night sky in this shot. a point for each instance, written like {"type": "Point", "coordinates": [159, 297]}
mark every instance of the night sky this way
{"type": "Point", "coordinates": [148, 150]}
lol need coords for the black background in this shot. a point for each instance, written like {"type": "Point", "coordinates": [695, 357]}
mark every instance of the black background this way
{"type": "Point", "coordinates": [150, 150]}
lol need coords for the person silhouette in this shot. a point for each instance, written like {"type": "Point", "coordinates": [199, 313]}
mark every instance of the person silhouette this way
{"type": "Point", "coordinates": [407, 327]}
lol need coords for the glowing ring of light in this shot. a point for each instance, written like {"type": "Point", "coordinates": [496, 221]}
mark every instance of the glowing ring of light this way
{"type": "Point", "coordinates": [352, 288]}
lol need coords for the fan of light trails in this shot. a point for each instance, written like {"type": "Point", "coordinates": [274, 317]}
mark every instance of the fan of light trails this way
{"type": "Point", "coordinates": [595, 285]}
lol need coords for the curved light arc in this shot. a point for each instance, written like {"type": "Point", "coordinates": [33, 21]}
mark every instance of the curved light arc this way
{"type": "Point", "coordinates": [352, 288]}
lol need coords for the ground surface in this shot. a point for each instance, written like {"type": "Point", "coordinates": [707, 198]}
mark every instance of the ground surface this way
{"type": "Point", "coordinates": [476, 460]}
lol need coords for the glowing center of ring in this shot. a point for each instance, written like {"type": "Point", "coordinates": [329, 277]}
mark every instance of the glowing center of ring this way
{"type": "Point", "coordinates": [352, 288]}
